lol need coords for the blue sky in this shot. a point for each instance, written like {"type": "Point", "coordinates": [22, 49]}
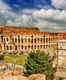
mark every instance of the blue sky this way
{"type": "Point", "coordinates": [27, 4]}
{"type": "Point", "coordinates": [48, 15]}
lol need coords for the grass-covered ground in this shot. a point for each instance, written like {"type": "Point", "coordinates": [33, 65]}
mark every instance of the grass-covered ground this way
{"type": "Point", "coordinates": [16, 59]}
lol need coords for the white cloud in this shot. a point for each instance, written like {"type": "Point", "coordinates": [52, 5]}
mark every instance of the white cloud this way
{"type": "Point", "coordinates": [46, 20]}
{"type": "Point", "coordinates": [59, 3]}
{"type": "Point", "coordinates": [21, 20]}
{"type": "Point", "coordinates": [51, 19]}
{"type": "Point", "coordinates": [51, 14]}
{"type": "Point", "coordinates": [5, 9]}
{"type": "Point", "coordinates": [28, 10]}
{"type": "Point", "coordinates": [3, 6]}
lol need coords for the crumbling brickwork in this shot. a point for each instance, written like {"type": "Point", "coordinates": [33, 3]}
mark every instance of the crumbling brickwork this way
{"type": "Point", "coordinates": [20, 39]}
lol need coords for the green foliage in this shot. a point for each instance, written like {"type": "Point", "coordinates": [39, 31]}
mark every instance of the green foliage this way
{"type": "Point", "coordinates": [38, 62]}
{"type": "Point", "coordinates": [1, 57]}
{"type": "Point", "coordinates": [61, 78]}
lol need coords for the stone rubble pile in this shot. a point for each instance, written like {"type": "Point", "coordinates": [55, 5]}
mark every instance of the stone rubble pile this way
{"type": "Point", "coordinates": [17, 76]}
{"type": "Point", "coordinates": [9, 75]}
{"type": "Point", "coordinates": [37, 77]}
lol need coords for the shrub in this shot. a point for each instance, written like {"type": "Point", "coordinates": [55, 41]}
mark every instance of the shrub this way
{"type": "Point", "coordinates": [38, 62]}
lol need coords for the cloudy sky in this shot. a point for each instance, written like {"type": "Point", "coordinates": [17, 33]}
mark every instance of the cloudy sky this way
{"type": "Point", "coordinates": [48, 15]}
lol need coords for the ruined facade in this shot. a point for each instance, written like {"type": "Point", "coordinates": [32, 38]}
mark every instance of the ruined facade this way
{"type": "Point", "coordinates": [17, 39]}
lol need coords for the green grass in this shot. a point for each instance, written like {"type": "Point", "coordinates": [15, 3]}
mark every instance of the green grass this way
{"type": "Point", "coordinates": [16, 59]}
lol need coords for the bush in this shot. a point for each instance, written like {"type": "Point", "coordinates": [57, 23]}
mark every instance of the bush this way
{"type": "Point", "coordinates": [38, 62]}
{"type": "Point", "coordinates": [1, 57]}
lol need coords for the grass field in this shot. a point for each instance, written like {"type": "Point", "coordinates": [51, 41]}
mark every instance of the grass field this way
{"type": "Point", "coordinates": [16, 59]}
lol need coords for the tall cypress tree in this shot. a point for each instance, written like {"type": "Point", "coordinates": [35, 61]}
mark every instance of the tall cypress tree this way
{"type": "Point", "coordinates": [38, 62]}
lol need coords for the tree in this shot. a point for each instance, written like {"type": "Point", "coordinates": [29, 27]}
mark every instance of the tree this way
{"type": "Point", "coordinates": [38, 62]}
{"type": "Point", "coordinates": [1, 57]}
